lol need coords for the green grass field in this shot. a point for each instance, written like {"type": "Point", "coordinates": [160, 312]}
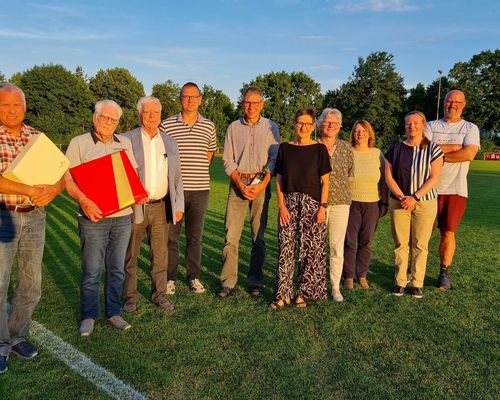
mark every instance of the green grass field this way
{"type": "Point", "coordinates": [371, 346]}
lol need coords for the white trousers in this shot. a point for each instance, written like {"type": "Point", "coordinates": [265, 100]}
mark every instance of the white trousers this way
{"type": "Point", "coordinates": [337, 217]}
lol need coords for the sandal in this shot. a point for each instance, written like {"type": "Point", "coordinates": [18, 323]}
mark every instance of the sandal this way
{"type": "Point", "coordinates": [300, 302]}
{"type": "Point", "coordinates": [280, 303]}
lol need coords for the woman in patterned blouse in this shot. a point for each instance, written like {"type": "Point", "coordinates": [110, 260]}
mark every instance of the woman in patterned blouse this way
{"type": "Point", "coordinates": [339, 198]}
{"type": "Point", "coordinates": [412, 171]}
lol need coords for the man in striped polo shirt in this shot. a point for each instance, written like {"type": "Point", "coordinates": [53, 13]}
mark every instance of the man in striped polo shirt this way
{"type": "Point", "coordinates": [197, 143]}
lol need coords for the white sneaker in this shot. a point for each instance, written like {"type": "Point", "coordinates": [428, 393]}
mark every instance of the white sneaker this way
{"type": "Point", "coordinates": [196, 286]}
{"type": "Point", "coordinates": [337, 296]}
{"type": "Point", "coordinates": [87, 327]}
{"type": "Point", "coordinates": [170, 287]}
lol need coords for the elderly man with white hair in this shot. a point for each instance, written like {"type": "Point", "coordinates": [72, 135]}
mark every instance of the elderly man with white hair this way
{"type": "Point", "coordinates": [159, 169]}
{"type": "Point", "coordinates": [103, 241]}
{"type": "Point", "coordinates": [22, 233]}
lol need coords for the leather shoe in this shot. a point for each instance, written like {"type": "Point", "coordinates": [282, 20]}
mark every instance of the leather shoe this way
{"type": "Point", "coordinates": [225, 292]}
{"type": "Point", "coordinates": [130, 307]}
{"type": "Point", "coordinates": [165, 306]}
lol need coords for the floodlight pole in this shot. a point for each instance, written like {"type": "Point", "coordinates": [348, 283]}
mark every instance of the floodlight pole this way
{"type": "Point", "coordinates": [439, 93]}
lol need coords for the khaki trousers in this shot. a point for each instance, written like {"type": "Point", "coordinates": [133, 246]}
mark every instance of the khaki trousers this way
{"type": "Point", "coordinates": [412, 230]}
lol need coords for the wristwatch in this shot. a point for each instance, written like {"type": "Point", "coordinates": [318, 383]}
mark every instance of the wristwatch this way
{"type": "Point", "coordinates": [324, 205]}
{"type": "Point", "coordinates": [414, 196]}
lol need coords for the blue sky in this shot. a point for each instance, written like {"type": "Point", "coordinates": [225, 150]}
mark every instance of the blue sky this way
{"type": "Point", "coordinates": [229, 42]}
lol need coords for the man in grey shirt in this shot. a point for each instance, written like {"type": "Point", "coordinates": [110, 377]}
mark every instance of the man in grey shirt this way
{"type": "Point", "coordinates": [250, 148]}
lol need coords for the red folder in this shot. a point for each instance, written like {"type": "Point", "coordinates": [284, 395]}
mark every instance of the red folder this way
{"type": "Point", "coordinates": [110, 181]}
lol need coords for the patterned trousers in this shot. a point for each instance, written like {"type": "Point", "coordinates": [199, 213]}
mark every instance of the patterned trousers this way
{"type": "Point", "coordinates": [311, 239]}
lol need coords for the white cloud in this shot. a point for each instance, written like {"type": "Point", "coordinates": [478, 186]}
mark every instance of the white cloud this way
{"type": "Point", "coordinates": [416, 41]}
{"type": "Point", "coordinates": [152, 62]}
{"type": "Point", "coordinates": [58, 36]}
{"type": "Point", "coordinates": [322, 67]}
{"type": "Point", "coordinates": [353, 6]}
{"type": "Point", "coordinates": [66, 10]}
{"type": "Point", "coordinates": [311, 37]}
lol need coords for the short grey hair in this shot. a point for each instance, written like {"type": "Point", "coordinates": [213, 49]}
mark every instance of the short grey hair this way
{"type": "Point", "coordinates": [10, 87]}
{"type": "Point", "coordinates": [101, 103]}
{"type": "Point", "coordinates": [327, 111]}
{"type": "Point", "coordinates": [145, 100]}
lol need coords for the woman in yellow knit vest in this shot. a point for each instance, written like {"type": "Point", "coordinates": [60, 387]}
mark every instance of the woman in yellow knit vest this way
{"type": "Point", "coordinates": [369, 203]}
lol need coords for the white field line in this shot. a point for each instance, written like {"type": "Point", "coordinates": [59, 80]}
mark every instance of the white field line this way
{"type": "Point", "coordinates": [82, 365]}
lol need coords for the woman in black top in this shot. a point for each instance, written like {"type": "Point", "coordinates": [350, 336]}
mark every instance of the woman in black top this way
{"type": "Point", "coordinates": [302, 170]}
{"type": "Point", "coordinates": [412, 171]}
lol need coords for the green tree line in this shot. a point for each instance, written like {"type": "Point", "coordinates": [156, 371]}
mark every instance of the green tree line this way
{"type": "Point", "coordinates": [60, 102]}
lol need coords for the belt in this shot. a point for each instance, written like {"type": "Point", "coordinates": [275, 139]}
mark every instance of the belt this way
{"type": "Point", "coordinates": [155, 201]}
{"type": "Point", "coordinates": [248, 176]}
{"type": "Point", "coordinates": [11, 207]}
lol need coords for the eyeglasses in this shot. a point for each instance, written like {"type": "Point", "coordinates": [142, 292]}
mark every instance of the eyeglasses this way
{"type": "Point", "coordinates": [185, 97]}
{"type": "Point", "coordinates": [331, 123]}
{"type": "Point", "coordinates": [454, 102]}
{"type": "Point", "coordinates": [105, 118]}
{"type": "Point", "coordinates": [251, 103]}
{"type": "Point", "coordinates": [307, 125]}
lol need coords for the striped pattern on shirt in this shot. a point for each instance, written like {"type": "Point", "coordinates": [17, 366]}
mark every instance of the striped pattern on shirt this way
{"type": "Point", "coordinates": [421, 168]}
{"type": "Point", "coordinates": [194, 144]}
{"type": "Point", "coordinates": [416, 160]}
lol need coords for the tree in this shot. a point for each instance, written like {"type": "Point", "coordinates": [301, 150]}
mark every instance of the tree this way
{"type": "Point", "coordinates": [119, 85]}
{"type": "Point", "coordinates": [2, 77]}
{"type": "Point", "coordinates": [374, 92]}
{"type": "Point", "coordinates": [479, 79]}
{"type": "Point", "coordinates": [169, 95]}
{"type": "Point", "coordinates": [58, 103]}
{"type": "Point", "coordinates": [285, 93]}
{"type": "Point", "coordinates": [425, 99]}
{"type": "Point", "coordinates": [218, 108]}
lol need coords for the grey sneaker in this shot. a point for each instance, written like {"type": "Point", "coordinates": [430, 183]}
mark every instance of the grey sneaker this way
{"type": "Point", "coordinates": [119, 323]}
{"type": "Point", "coordinates": [196, 286]}
{"type": "Point", "coordinates": [170, 288]}
{"type": "Point", "coordinates": [444, 282]}
{"type": "Point", "coordinates": [87, 327]}
{"type": "Point", "coordinates": [337, 296]}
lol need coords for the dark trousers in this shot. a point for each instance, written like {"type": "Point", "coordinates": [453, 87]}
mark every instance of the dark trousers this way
{"type": "Point", "coordinates": [156, 228]}
{"type": "Point", "coordinates": [363, 219]}
{"type": "Point", "coordinates": [195, 208]}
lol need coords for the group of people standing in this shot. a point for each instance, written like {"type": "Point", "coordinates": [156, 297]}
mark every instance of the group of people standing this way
{"type": "Point", "coordinates": [340, 189]}
{"type": "Point", "coordinates": [327, 187]}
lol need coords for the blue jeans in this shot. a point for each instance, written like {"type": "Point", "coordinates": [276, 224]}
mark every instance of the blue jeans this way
{"type": "Point", "coordinates": [21, 234]}
{"type": "Point", "coordinates": [103, 243]}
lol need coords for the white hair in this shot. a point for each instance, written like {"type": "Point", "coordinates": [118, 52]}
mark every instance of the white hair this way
{"type": "Point", "coordinates": [101, 103]}
{"type": "Point", "coordinates": [145, 100]}
{"type": "Point", "coordinates": [10, 87]}
{"type": "Point", "coordinates": [327, 111]}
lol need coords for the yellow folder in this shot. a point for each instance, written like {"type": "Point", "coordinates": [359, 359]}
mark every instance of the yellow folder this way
{"type": "Point", "coordinates": [39, 162]}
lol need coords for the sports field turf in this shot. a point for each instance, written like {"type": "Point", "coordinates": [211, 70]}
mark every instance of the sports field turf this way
{"type": "Point", "coordinates": [371, 346]}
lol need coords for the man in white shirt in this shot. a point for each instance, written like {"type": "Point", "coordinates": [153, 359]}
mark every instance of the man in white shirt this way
{"type": "Point", "coordinates": [459, 140]}
{"type": "Point", "coordinates": [159, 169]}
